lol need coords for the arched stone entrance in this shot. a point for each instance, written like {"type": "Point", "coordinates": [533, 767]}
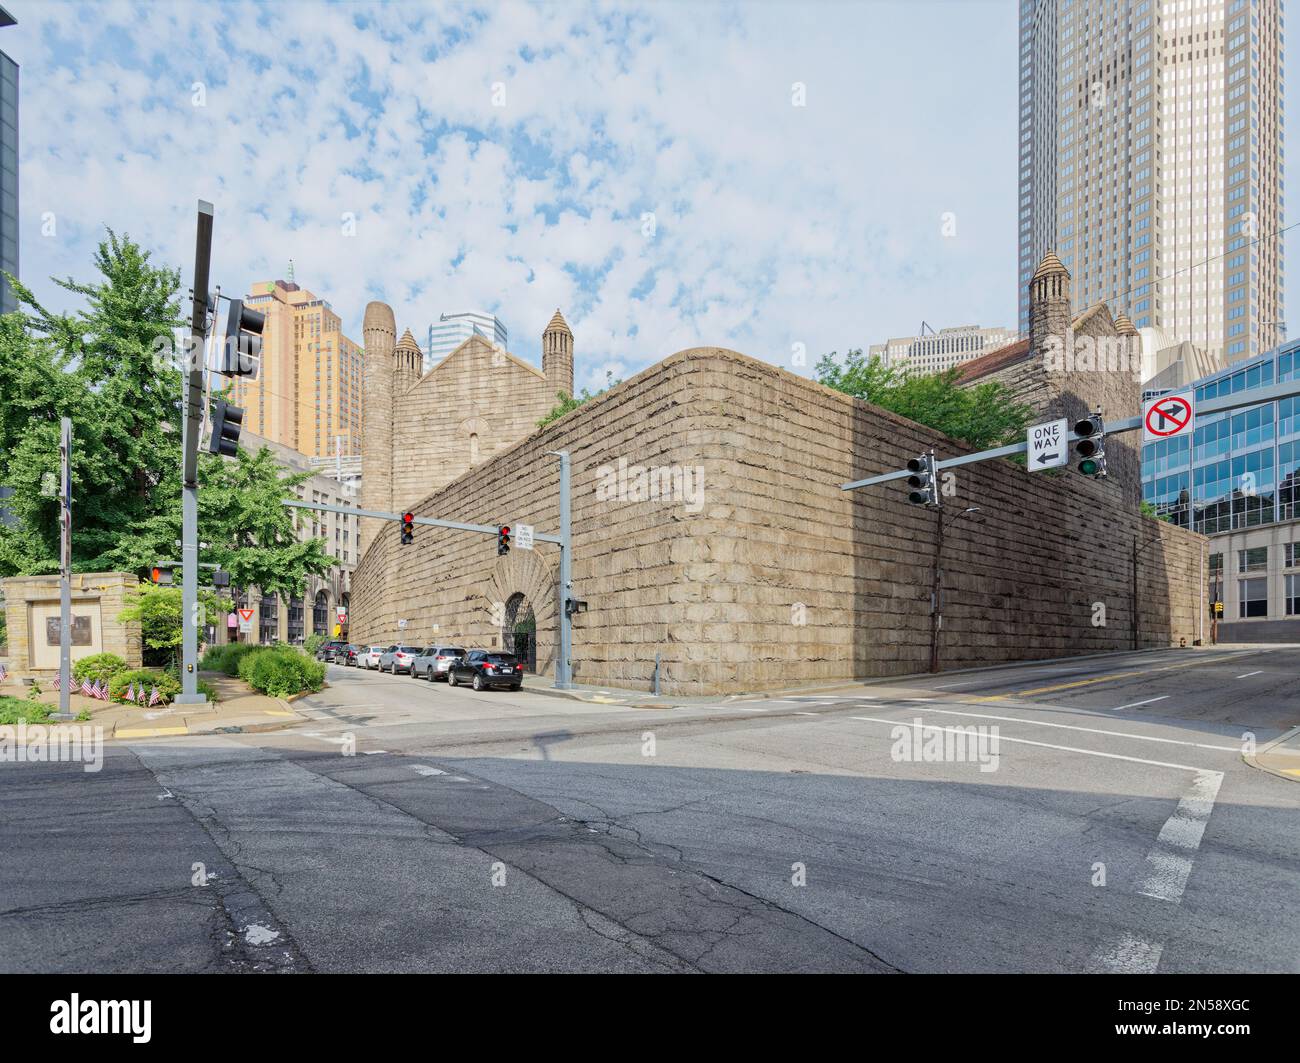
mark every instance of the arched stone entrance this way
{"type": "Point", "coordinates": [320, 614]}
{"type": "Point", "coordinates": [521, 598]}
{"type": "Point", "coordinates": [519, 631]}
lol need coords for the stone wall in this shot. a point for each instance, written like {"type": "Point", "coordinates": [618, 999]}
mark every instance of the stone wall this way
{"type": "Point", "coordinates": [776, 576]}
{"type": "Point", "coordinates": [99, 595]}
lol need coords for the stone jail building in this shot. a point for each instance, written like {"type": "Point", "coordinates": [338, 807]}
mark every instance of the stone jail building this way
{"type": "Point", "coordinates": [709, 529]}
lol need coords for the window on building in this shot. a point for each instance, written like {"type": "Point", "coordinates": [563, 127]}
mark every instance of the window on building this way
{"type": "Point", "coordinates": [1252, 597]}
{"type": "Point", "coordinates": [1253, 560]}
{"type": "Point", "coordinates": [1293, 596]}
{"type": "Point", "coordinates": [1292, 555]}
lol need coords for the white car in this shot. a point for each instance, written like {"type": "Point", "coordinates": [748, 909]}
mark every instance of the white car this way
{"type": "Point", "coordinates": [369, 656]}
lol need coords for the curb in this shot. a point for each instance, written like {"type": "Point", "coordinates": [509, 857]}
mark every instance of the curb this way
{"type": "Point", "coordinates": [1252, 758]}
{"type": "Point", "coordinates": [291, 718]}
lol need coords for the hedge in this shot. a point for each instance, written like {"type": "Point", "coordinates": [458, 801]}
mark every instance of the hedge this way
{"type": "Point", "coordinates": [226, 658]}
{"type": "Point", "coordinates": [98, 666]}
{"type": "Point", "coordinates": [281, 671]}
{"type": "Point", "coordinates": [168, 686]}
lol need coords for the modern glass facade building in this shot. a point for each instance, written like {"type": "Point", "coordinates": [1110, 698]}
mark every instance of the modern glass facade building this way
{"type": "Point", "coordinates": [1237, 480]}
{"type": "Point", "coordinates": [454, 329]}
{"type": "Point", "coordinates": [8, 170]}
{"type": "Point", "coordinates": [1151, 162]}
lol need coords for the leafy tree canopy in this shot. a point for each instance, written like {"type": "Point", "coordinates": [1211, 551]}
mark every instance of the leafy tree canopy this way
{"type": "Point", "coordinates": [982, 416]}
{"type": "Point", "coordinates": [110, 367]}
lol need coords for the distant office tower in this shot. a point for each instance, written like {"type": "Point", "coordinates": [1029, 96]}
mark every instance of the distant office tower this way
{"type": "Point", "coordinates": [454, 329]}
{"type": "Point", "coordinates": [8, 169]}
{"type": "Point", "coordinates": [933, 352]}
{"type": "Point", "coordinates": [1150, 161]}
{"type": "Point", "coordinates": [308, 389]}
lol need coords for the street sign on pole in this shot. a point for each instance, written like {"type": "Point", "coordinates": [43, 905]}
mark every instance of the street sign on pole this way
{"type": "Point", "coordinates": [524, 536]}
{"type": "Point", "coordinates": [245, 621]}
{"type": "Point", "coordinates": [65, 571]}
{"type": "Point", "coordinates": [1048, 444]}
{"type": "Point", "coordinates": [1169, 416]}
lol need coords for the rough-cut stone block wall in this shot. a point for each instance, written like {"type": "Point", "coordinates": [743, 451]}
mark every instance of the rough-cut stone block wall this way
{"type": "Point", "coordinates": [110, 589]}
{"type": "Point", "coordinates": [775, 576]}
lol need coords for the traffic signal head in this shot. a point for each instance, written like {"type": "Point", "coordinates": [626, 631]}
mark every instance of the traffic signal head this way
{"type": "Point", "coordinates": [161, 576]}
{"type": "Point", "coordinates": [408, 528]}
{"type": "Point", "coordinates": [922, 483]}
{"type": "Point", "coordinates": [1090, 448]}
{"type": "Point", "coordinates": [242, 353]}
{"type": "Point", "coordinates": [227, 420]}
{"type": "Point", "coordinates": [503, 539]}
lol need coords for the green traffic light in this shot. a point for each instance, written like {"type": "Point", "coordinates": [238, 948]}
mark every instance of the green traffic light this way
{"type": "Point", "coordinates": [1088, 467]}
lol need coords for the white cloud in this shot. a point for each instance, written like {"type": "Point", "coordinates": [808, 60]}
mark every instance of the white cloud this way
{"type": "Point", "coordinates": [775, 224]}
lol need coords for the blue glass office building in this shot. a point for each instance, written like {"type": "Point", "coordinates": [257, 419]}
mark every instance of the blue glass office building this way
{"type": "Point", "coordinates": [1237, 480]}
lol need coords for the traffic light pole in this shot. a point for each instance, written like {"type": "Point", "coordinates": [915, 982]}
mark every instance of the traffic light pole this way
{"type": "Point", "coordinates": [65, 571]}
{"type": "Point", "coordinates": [192, 414]}
{"type": "Point", "coordinates": [1228, 402]}
{"type": "Point", "coordinates": [564, 652]}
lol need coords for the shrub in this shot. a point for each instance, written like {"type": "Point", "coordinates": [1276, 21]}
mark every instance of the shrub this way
{"type": "Point", "coordinates": [226, 658]}
{"type": "Point", "coordinates": [98, 666]}
{"type": "Point", "coordinates": [207, 690]}
{"type": "Point", "coordinates": [281, 671]}
{"type": "Point", "coordinates": [168, 686]}
{"type": "Point", "coordinates": [18, 710]}
{"type": "Point", "coordinates": [313, 643]}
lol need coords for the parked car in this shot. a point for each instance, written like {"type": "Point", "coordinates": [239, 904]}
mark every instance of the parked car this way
{"type": "Point", "coordinates": [433, 662]}
{"type": "Point", "coordinates": [369, 656]}
{"type": "Point", "coordinates": [398, 659]}
{"type": "Point", "coordinates": [348, 656]}
{"type": "Point", "coordinates": [326, 650]}
{"type": "Point", "coordinates": [487, 668]}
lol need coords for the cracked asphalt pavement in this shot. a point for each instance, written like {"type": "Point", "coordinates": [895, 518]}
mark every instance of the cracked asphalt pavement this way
{"type": "Point", "coordinates": [409, 827]}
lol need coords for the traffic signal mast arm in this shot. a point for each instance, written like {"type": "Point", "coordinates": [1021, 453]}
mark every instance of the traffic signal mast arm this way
{"type": "Point", "coordinates": [1227, 402]}
{"type": "Point", "coordinates": [455, 525]}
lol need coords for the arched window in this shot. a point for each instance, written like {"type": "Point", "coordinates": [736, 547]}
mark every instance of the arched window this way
{"type": "Point", "coordinates": [473, 448]}
{"type": "Point", "coordinates": [320, 614]}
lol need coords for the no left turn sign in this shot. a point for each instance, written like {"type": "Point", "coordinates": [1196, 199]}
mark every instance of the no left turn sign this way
{"type": "Point", "coordinates": [1168, 416]}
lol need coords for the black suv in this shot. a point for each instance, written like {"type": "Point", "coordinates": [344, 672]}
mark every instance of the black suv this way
{"type": "Point", "coordinates": [487, 668]}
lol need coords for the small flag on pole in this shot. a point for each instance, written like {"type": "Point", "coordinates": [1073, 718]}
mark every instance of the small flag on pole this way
{"type": "Point", "coordinates": [3, 674]}
{"type": "Point", "coordinates": [58, 680]}
{"type": "Point", "coordinates": [130, 691]}
{"type": "Point", "coordinates": [86, 688]}
{"type": "Point", "coordinates": [139, 695]}
{"type": "Point", "coordinates": [154, 697]}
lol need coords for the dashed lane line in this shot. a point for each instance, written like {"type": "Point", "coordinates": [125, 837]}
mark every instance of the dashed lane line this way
{"type": "Point", "coordinates": [1135, 704]}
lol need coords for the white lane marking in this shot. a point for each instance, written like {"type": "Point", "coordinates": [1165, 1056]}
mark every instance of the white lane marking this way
{"type": "Point", "coordinates": [1128, 955]}
{"type": "Point", "coordinates": [1042, 745]}
{"type": "Point", "coordinates": [1170, 860]}
{"type": "Point", "coordinates": [807, 714]}
{"type": "Point", "coordinates": [1086, 730]}
{"type": "Point", "coordinates": [373, 752]}
{"type": "Point", "coordinates": [426, 769]}
{"type": "Point", "coordinates": [1135, 704]}
{"type": "Point", "coordinates": [1249, 674]}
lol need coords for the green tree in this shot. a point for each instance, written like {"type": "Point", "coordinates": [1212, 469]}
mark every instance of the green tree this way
{"type": "Point", "coordinates": [111, 369]}
{"type": "Point", "coordinates": [160, 613]}
{"type": "Point", "coordinates": [108, 367]}
{"type": "Point", "coordinates": [984, 415]}
{"type": "Point", "coordinates": [568, 403]}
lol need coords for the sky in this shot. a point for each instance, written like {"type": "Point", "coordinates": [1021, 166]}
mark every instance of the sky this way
{"type": "Point", "coordinates": [781, 179]}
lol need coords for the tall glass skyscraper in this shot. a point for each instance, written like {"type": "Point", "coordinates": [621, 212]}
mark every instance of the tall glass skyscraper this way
{"type": "Point", "coordinates": [1151, 162]}
{"type": "Point", "coordinates": [454, 329]}
{"type": "Point", "coordinates": [8, 169]}
{"type": "Point", "coordinates": [1237, 480]}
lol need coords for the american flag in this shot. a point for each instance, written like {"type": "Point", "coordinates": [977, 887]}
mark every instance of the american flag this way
{"type": "Point", "coordinates": [58, 679]}
{"type": "Point", "coordinates": [98, 690]}
{"type": "Point", "coordinates": [130, 691]}
{"type": "Point", "coordinates": [154, 697]}
{"type": "Point", "coordinates": [3, 674]}
{"type": "Point", "coordinates": [87, 689]}
{"type": "Point", "coordinates": [139, 695]}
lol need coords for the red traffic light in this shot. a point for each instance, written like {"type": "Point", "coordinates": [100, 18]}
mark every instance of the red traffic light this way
{"type": "Point", "coordinates": [505, 529]}
{"type": "Point", "coordinates": [408, 518]}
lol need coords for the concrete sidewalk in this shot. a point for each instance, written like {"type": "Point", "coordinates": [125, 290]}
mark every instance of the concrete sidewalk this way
{"type": "Point", "coordinates": [239, 709]}
{"type": "Point", "coordinates": [1279, 757]}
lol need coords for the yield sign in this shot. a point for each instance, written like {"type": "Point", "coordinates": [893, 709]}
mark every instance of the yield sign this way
{"type": "Point", "coordinates": [245, 615]}
{"type": "Point", "coordinates": [1168, 416]}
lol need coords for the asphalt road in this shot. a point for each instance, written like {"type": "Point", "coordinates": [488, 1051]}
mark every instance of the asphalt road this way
{"type": "Point", "coordinates": [1108, 824]}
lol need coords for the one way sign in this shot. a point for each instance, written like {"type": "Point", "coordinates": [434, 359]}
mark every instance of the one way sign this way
{"type": "Point", "coordinates": [1048, 443]}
